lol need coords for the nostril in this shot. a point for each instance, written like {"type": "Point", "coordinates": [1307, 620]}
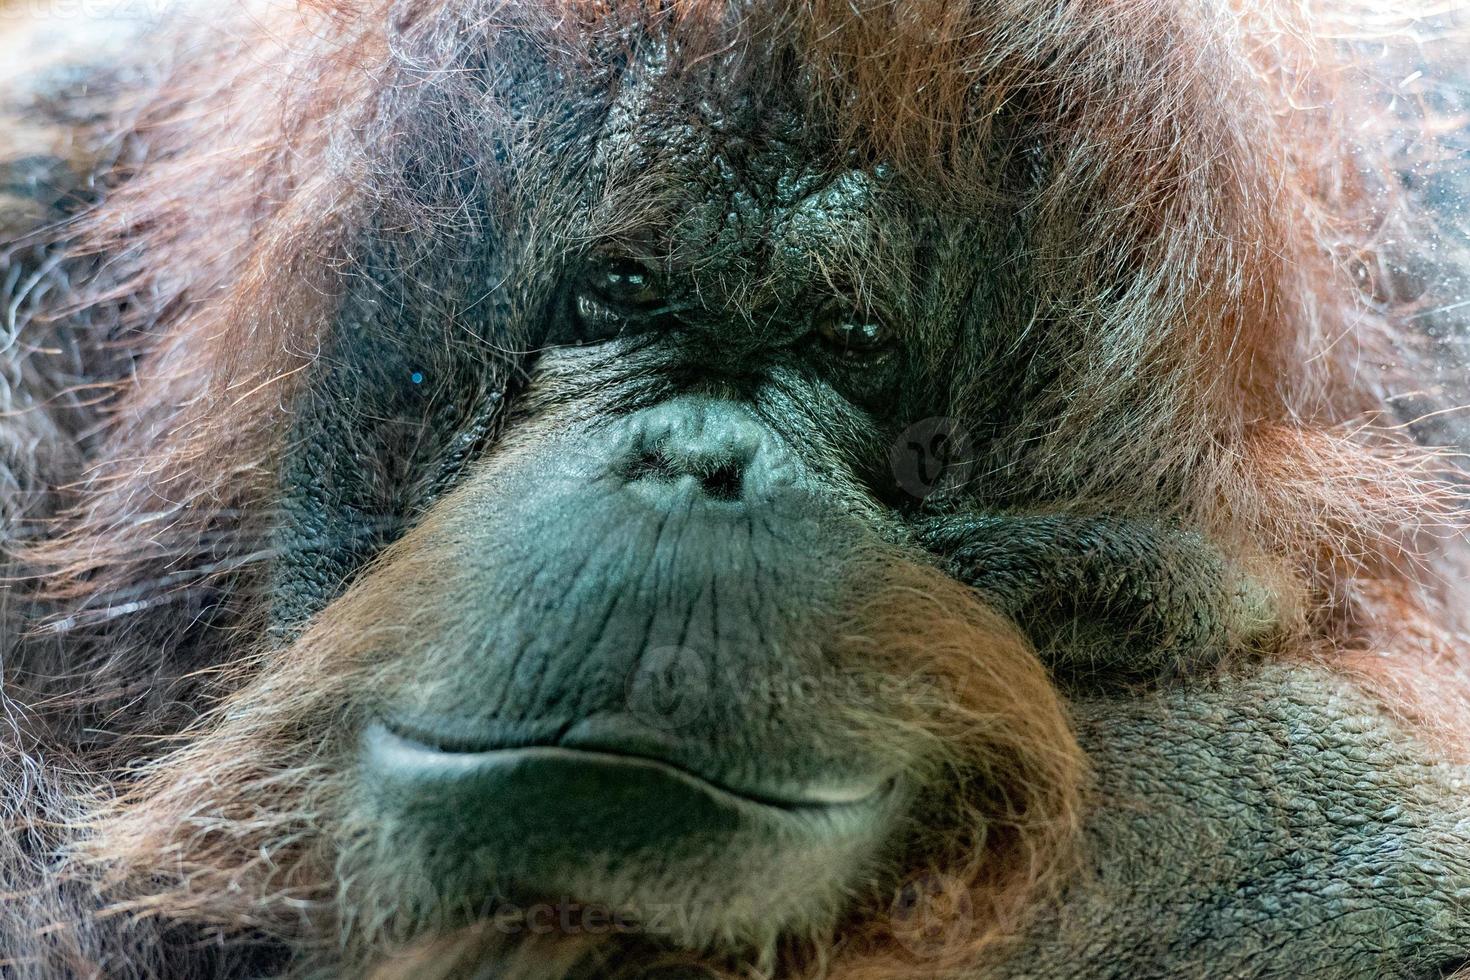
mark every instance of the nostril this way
{"type": "Point", "coordinates": [719, 480]}
{"type": "Point", "coordinates": [712, 448]}
{"type": "Point", "coordinates": [655, 465]}
{"type": "Point", "coordinates": [723, 482]}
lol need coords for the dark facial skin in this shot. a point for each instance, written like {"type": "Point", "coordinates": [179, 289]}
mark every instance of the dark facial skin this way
{"type": "Point", "coordinates": [613, 689]}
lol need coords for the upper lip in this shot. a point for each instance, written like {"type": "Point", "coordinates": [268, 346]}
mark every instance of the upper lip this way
{"type": "Point", "coordinates": [612, 736]}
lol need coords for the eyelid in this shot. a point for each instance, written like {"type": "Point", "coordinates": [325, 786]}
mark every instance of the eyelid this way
{"type": "Point", "coordinates": [598, 275]}
{"type": "Point", "coordinates": [830, 323]}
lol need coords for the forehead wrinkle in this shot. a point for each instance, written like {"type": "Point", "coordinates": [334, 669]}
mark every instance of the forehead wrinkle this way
{"type": "Point", "coordinates": [747, 215]}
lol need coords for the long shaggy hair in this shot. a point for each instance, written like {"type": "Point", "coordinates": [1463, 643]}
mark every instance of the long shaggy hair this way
{"type": "Point", "coordinates": [1225, 265]}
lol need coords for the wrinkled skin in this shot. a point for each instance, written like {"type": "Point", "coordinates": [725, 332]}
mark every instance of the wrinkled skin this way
{"type": "Point", "coordinates": [1274, 821]}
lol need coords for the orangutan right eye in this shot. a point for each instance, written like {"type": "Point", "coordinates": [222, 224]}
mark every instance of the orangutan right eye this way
{"type": "Point", "coordinates": [609, 294]}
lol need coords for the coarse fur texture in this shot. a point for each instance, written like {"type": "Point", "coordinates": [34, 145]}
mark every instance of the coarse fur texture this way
{"type": "Point", "coordinates": [294, 438]}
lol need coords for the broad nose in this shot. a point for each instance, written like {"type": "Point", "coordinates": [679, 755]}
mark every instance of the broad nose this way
{"type": "Point", "coordinates": [713, 447]}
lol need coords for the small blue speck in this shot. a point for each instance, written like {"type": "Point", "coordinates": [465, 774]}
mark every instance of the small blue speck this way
{"type": "Point", "coordinates": [417, 377]}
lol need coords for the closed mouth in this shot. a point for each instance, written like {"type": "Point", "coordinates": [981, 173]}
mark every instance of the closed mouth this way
{"type": "Point", "coordinates": [608, 824]}
{"type": "Point", "coordinates": [403, 745]}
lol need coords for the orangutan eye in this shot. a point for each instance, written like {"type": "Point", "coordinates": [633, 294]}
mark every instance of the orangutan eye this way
{"type": "Point", "coordinates": [606, 296]}
{"type": "Point", "coordinates": [623, 285]}
{"type": "Point", "coordinates": [854, 334]}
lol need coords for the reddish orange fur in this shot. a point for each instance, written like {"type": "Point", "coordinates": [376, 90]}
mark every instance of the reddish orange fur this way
{"type": "Point", "coordinates": [1237, 353]}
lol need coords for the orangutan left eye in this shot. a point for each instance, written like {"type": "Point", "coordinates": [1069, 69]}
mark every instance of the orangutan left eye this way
{"type": "Point", "coordinates": [854, 335]}
{"type": "Point", "coordinates": [623, 285]}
